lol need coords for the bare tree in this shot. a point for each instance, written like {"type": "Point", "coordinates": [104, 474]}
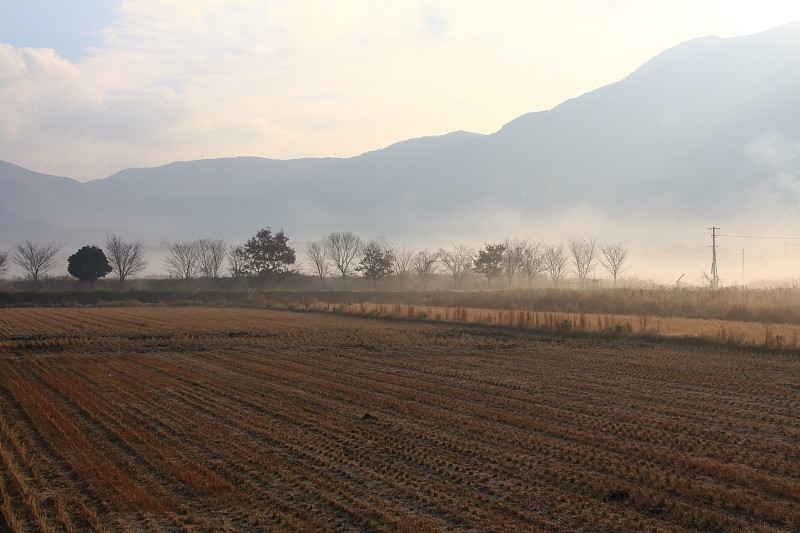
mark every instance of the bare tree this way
{"type": "Point", "coordinates": [342, 249]}
{"type": "Point", "coordinates": [237, 261]}
{"type": "Point", "coordinates": [211, 254]}
{"type": "Point", "coordinates": [126, 258]}
{"type": "Point", "coordinates": [36, 259]}
{"type": "Point", "coordinates": [514, 257]}
{"type": "Point", "coordinates": [612, 257]}
{"type": "Point", "coordinates": [533, 261]}
{"type": "Point", "coordinates": [584, 253]}
{"type": "Point", "coordinates": [182, 260]}
{"type": "Point", "coordinates": [426, 265]}
{"type": "Point", "coordinates": [403, 262]}
{"type": "Point", "coordinates": [3, 263]}
{"type": "Point", "coordinates": [555, 262]}
{"type": "Point", "coordinates": [457, 262]}
{"type": "Point", "coordinates": [319, 259]}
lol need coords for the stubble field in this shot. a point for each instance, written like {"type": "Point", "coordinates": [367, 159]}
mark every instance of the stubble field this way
{"type": "Point", "coordinates": [201, 419]}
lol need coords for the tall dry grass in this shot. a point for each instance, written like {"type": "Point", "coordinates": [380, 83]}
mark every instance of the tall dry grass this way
{"type": "Point", "coordinates": [774, 306]}
{"type": "Point", "coordinates": [642, 323]}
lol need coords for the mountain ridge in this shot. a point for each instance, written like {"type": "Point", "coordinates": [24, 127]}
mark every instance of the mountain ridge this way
{"type": "Point", "coordinates": [686, 135]}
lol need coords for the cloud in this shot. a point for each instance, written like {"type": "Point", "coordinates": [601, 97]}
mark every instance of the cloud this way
{"type": "Point", "coordinates": [28, 78]}
{"type": "Point", "coordinates": [173, 80]}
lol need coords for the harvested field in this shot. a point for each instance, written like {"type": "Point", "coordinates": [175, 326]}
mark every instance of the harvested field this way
{"type": "Point", "coordinates": [200, 419]}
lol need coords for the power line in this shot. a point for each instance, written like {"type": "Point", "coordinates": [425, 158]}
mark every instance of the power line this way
{"type": "Point", "coordinates": [759, 237]}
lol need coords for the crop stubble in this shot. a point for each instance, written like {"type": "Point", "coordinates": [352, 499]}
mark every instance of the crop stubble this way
{"type": "Point", "coordinates": [241, 419]}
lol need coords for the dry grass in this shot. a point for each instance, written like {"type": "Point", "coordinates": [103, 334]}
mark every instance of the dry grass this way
{"type": "Point", "coordinates": [721, 331]}
{"type": "Point", "coordinates": [245, 419]}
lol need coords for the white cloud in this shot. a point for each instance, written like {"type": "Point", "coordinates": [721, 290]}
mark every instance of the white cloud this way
{"type": "Point", "coordinates": [30, 78]}
{"type": "Point", "coordinates": [173, 80]}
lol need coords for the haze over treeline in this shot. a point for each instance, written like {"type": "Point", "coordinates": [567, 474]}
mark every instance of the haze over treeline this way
{"type": "Point", "coordinates": [704, 134]}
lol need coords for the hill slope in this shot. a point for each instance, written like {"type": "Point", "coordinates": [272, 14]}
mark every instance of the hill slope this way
{"type": "Point", "coordinates": [709, 128]}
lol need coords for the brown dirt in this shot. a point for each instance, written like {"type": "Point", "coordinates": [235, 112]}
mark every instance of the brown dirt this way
{"type": "Point", "coordinates": [198, 419]}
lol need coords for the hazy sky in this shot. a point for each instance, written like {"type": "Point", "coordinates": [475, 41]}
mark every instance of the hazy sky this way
{"type": "Point", "coordinates": [92, 87]}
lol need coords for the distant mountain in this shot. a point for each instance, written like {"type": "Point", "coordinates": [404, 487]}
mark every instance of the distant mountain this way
{"type": "Point", "coordinates": [674, 133]}
{"type": "Point", "coordinates": [38, 206]}
{"type": "Point", "coordinates": [709, 128]}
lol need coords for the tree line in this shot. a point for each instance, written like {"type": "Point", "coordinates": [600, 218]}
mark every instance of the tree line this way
{"type": "Point", "coordinates": [344, 254]}
{"type": "Point", "coordinates": [89, 263]}
{"type": "Point", "coordinates": [510, 259]}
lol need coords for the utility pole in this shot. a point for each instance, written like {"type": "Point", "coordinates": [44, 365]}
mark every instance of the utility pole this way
{"type": "Point", "coordinates": [742, 266]}
{"type": "Point", "coordinates": [714, 273]}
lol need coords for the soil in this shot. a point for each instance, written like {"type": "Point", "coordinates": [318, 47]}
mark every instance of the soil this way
{"type": "Point", "coordinates": [203, 419]}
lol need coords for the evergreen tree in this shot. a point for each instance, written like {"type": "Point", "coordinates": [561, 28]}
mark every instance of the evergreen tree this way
{"type": "Point", "coordinates": [267, 254]}
{"type": "Point", "coordinates": [490, 261]}
{"type": "Point", "coordinates": [88, 264]}
{"type": "Point", "coordinates": [377, 262]}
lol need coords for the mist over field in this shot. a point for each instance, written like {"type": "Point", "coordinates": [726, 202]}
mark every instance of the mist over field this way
{"type": "Point", "coordinates": [705, 134]}
{"type": "Point", "coordinates": [399, 266]}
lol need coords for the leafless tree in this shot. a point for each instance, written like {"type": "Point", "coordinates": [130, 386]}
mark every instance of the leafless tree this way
{"type": "Point", "coordinates": [584, 254]}
{"type": "Point", "coordinates": [533, 261]}
{"type": "Point", "coordinates": [318, 258]}
{"type": "Point", "coordinates": [182, 260]}
{"type": "Point", "coordinates": [3, 263]}
{"type": "Point", "coordinates": [36, 259]}
{"type": "Point", "coordinates": [513, 257]}
{"type": "Point", "coordinates": [425, 265]}
{"type": "Point", "coordinates": [211, 254]}
{"type": "Point", "coordinates": [237, 261]}
{"type": "Point", "coordinates": [555, 262]}
{"type": "Point", "coordinates": [342, 249]}
{"type": "Point", "coordinates": [612, 257]}
{"type": "Point", "coordinates": [126, 258]}
{"type": "Point", "coordinates": [403, 262]}
{"type": "Point", "coordinates": [457, 262]}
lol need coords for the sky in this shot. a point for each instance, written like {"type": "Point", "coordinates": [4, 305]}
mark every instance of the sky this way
{"type": "Point", "coordinates": [90, 87]}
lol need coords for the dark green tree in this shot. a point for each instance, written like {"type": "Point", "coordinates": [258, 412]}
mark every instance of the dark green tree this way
{"type": "Point", "coordinates": [377, 262]}
{"type": "Point", "coordinates": [88, 264]}
{"type": "Point", "coordinates": [267, 254]}
{"type": "Point", "coordinates": [490, 261]}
